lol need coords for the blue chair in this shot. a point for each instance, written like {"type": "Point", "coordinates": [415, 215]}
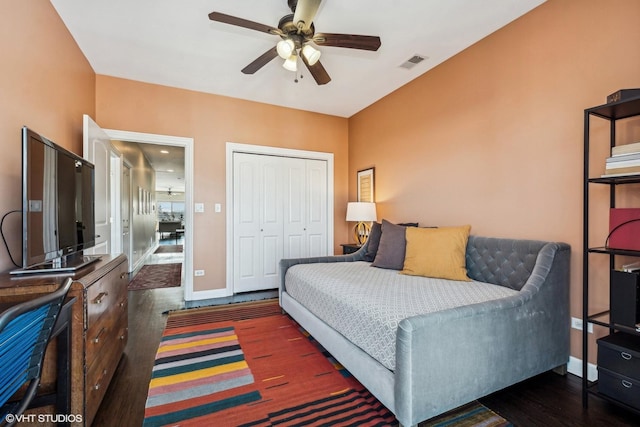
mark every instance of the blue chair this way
{"type": "Point", "coordinates": [25, 330]}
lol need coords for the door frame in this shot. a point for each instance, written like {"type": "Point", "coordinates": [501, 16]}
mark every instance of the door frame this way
{"type": "Point", "coordinates": [234, 147]}
{"type": "Point", "coordinates": [126, 166]}
{"type": "Point", "coordinates": [176, 141]}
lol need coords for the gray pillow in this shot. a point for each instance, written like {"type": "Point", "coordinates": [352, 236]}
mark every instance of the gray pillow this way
{"type": "Point", "coordinates": [373, 241]}
{"type": "Point", "coordinates": [392, 247]}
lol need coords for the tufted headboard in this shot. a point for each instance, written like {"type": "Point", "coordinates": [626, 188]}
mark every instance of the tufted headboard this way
{"type": "Point", "coordinates": [504, 262]}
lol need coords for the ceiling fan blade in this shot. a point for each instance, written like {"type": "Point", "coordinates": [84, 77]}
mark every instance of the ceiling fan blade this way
{"type": "Point", "coordinates": [245, 23]}
{"type": "Point", "coordinates": [261, 61]}
{"type": "Point", "coordinates": [305, 12]}
{"type": "Point", "coordinates": [350, 41]}
{"type": "Point", "coordinates": [318, 72]}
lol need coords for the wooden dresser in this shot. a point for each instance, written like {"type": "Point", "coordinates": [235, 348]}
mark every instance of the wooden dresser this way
{"type": "Point", "coordinates": [98, 328]}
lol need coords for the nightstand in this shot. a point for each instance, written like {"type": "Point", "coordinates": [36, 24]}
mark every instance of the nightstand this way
{"type": "Point", "coordinates": [349, 248]}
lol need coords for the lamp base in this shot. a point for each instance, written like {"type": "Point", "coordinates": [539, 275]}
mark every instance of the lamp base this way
{"type": "Point", "coordinates": [361, 232]}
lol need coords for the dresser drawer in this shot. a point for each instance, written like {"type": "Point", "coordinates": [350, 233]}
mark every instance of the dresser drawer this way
{"type": "Point", "coordinates": [105, 294]}
{"type": "Point", "coordinates": [100, 370]}
{"type": "Point", "coordinates": [619, 387]}
{"type": "Point", "coordinates": [620, 353]}
{"type": "Point", "coordinates": [106, 330]}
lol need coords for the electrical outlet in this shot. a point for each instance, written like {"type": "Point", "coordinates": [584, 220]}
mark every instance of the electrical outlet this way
{"type": "Point", "coordinates": [577, 324]}
{"type": "Point", "coordinates": [199, 273]}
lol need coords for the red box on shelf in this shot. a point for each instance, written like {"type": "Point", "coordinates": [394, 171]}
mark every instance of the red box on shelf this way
{"type": "Point", "coordinates": [624, 228]}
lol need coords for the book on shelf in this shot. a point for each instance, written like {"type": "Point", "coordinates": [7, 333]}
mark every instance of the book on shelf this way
{"type": "Point", "coordinates": [623, 158]}
{"type": "Point", "coordinates": [621, 150]}
{"type": "Point", "coordinates": [616, 173]}
{"type": "Point", "coordinates": [620, 165]}
{"type": "Point", "coordinates": [631, 268]}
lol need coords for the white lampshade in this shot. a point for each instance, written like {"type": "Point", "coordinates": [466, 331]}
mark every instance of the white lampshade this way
{"type": "Point", "coordinates": [361, 211]}
{"type": "Point", "coordinates": [311, 54]}
{"type": "Point", "coordinates": [291, 63]}
{"type": "Point", "coordinates": [285, 48]}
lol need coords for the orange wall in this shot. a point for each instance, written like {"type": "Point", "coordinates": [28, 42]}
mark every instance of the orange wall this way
{"type": "Point", "coordinates": [213, 121]}
{"type": "Point", "coordinates": [494, 136]}
{"type": "Point", "coordinates": [47, 84]}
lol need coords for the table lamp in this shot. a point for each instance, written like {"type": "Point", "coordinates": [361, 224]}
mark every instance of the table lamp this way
{"type": "Point", "coordinates": [362, 213]}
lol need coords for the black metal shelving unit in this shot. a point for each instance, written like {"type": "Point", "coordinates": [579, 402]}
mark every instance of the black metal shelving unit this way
{"type": "Point", "coordinates": [613, 113]}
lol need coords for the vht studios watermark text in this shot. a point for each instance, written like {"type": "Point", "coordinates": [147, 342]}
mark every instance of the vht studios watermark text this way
{"type": "Point", "coordinates": [43, 418]}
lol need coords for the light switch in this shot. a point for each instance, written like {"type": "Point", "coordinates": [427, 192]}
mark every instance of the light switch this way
{"type": "Point", "coordinates": [199, 207]}
{"type": "Point", "coordinates": [218, 208]}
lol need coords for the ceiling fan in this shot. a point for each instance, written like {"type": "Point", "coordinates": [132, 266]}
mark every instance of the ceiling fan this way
{"type": "Point", "coordinates": [297, 34]}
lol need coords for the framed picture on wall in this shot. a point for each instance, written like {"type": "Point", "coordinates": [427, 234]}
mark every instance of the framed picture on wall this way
{"type": "Point", "coordinates": [366, 185]}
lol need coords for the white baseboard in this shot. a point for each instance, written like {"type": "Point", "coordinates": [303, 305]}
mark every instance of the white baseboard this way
{"type": "Point", "coordinates": [209, 294]}
{"type": "Point", "coordinates": [140, 262]}
{"type": "Point", "coordinates": [575, 367]}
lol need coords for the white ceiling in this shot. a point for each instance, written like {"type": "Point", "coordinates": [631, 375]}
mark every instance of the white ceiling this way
{"type": "Point", "coordinates": [173, 43]}
{"type": "Point", "coordinates": [168, 163]}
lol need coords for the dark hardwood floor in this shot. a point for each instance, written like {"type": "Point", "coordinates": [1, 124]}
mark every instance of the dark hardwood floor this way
{"type": "Point", "coordinates": [546, 400]}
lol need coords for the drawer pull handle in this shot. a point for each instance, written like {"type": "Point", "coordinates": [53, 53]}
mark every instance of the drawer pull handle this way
{"type": "Point", "coordinates": [98, 385]}
{"type": "Point", "coordinates": [626, 384]}
{"type": "Point", "coordinates": [100, 297]}
{"type": "Point", "coordinates": [124, 275]}
{"type": "Point", "coordinates": [625, 356]}
{"type": "Point", "coordinates": [96, 340]}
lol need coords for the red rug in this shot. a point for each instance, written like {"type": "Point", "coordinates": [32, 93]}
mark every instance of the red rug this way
{"type": "Point", "coordinates": [157, 276]}
{"type": "Point", "coordinates": [266, 371]}
{"type": "Point", "coordinates": [252, 372]}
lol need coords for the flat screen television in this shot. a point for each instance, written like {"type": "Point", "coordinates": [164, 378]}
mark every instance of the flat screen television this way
{"type": "Point", "coordinates": [58, 217]}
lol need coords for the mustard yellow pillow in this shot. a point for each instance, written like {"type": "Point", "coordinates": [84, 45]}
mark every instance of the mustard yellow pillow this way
{"type": "Point", "coordinates": [437, 252]}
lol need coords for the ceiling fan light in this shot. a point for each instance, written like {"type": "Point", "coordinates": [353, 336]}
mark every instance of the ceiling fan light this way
{"type": "Point", "coordinates": [291, 63]}
{"type": "Point", "coordinates": [311, 54]}
{"type": "Point", "coordinates": [285, 48]}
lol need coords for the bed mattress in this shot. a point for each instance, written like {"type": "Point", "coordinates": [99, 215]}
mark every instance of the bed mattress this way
{"type": "Point", "coordinates": [366, 304]}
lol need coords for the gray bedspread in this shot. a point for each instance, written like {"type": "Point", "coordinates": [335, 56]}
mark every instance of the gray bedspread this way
{"type": "Point", "coordinates": [366, 304]}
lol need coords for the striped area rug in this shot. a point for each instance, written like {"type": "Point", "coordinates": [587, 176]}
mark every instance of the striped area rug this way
{"type": "Point", "coordinates": [242, 370]}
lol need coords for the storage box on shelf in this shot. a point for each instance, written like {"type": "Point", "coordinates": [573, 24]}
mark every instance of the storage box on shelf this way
{"type": "Point", "coordinates": [619, 368]}
{"type": "Point", "coordinates": [620, 386]}
{"type": "Point", "coordinates": [625, 299]}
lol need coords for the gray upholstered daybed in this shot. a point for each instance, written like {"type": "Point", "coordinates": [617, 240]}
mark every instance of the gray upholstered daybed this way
{"type": "Point", "coordinates": [423, 365]}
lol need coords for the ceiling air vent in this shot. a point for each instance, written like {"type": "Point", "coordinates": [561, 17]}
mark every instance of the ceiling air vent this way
{"type": "Point", "coordinates": [413, 61]}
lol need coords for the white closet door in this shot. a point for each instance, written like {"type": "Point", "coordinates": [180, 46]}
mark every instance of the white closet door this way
{"type": "Point", "coordinates": [305, 222]}
{"type": "Point", "coordinates": [295, 245]}
{"type": "Point", "coordinates": [316, 208]}
{"type": "Point", "coordinates": [279, 211]}
{"type": "Point", "coordinates": [258, 221]}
